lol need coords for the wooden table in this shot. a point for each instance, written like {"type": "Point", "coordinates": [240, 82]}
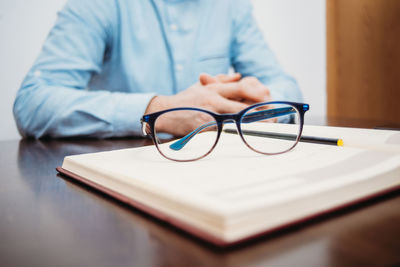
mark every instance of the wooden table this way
{"type": "Point", "coordinates": [49, 220]}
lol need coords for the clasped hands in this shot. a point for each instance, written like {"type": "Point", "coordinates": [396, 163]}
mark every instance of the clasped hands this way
{"type": "Point", "coordinates": [221, 94]}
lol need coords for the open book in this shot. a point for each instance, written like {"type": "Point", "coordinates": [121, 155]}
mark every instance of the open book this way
{"type": "Point", "coordinates": [235, 194]}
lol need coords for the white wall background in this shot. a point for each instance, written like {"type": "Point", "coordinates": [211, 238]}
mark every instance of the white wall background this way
{"type": "Point", "coordinates": [294, 29]}
{"type": "Point", "coordinates": [24, 25]}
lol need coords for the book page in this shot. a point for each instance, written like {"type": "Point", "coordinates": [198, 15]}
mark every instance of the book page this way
{"type": "Point", "coordinates": [386, 140]}
{"type": "Point", "coordinates": [234, 180]}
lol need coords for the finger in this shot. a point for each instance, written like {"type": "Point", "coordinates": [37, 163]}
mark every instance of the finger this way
{"type": "Point", "coordinates": [236, 91]}
{"type": "Point", "coordinates": [254, 90]}
{"type": "Point", "coordinates": [224, 105]}
{"type": "Point", "coordinates": [225, 78]}
{"type": "Point", "coordinates": [227, 90]}
{"type": "Point", "coordinates": [206, 79]}
{"type": "Point", "coordinates": [252, 93]}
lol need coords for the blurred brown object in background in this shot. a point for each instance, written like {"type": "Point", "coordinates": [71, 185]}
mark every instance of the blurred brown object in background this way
{"type": "Point", "coordinates": [363, 60]}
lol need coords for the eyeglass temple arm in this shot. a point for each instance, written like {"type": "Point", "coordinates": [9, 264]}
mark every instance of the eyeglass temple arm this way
{"type": "Point", "coordinates": [183, 141]}
{"type": "Point", "coordinates": [267, 114]}
{"type": "Point", "coordinates": [248, 118]}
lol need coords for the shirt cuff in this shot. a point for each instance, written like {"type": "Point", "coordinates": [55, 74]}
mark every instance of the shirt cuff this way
{"type": "Point", "coordinates": [129, 108]}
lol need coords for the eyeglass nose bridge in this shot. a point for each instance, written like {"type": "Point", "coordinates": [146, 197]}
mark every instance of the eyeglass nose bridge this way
{"type": "Point", "coordinates": [229, 117]}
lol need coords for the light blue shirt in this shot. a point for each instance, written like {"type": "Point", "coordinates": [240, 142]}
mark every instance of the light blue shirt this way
{"type": "Point", "coordinates": [104, 60]}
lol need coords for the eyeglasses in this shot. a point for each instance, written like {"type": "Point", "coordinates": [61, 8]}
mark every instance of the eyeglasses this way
{"type": "Point", "coordinates": [268, 128]}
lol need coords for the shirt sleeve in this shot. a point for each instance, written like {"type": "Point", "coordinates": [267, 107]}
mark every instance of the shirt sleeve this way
{"type": "Point", "coordinates": [53, 99]}
{"type": "Point", "coordinates": [251, 56]}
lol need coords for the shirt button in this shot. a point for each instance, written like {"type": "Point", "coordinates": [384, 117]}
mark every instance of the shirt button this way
{"type": "Point", "coordinates": [173, 27]}
{"type": "Point", "coordinates": [179, 67]}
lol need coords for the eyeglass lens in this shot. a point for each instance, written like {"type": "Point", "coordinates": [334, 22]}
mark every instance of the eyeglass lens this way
{"type": "Point", "coordinates": [271, 129]}
{"type": "Point", "coordinates": [197, 130]}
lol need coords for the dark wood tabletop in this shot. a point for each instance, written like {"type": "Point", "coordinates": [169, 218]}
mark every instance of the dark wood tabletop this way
{"type": "Point", "coordinates": [50, 220]}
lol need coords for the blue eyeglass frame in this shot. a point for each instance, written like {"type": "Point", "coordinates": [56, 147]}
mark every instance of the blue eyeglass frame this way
{"type": "Point", "coordinates": [148, 122]}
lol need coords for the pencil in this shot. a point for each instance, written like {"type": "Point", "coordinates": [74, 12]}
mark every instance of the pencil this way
{"type": "Point", "coordinates": [285, 136]}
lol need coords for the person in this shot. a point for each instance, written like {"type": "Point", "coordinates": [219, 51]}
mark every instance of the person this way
{"type": "Point", "coordinates": [106, 63]}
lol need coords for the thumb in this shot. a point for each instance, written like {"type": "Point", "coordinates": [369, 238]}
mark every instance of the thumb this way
{"type": "Point", "coordinates": [225, 78]}
{"type": "Point", "coordinates": [207, 79]}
